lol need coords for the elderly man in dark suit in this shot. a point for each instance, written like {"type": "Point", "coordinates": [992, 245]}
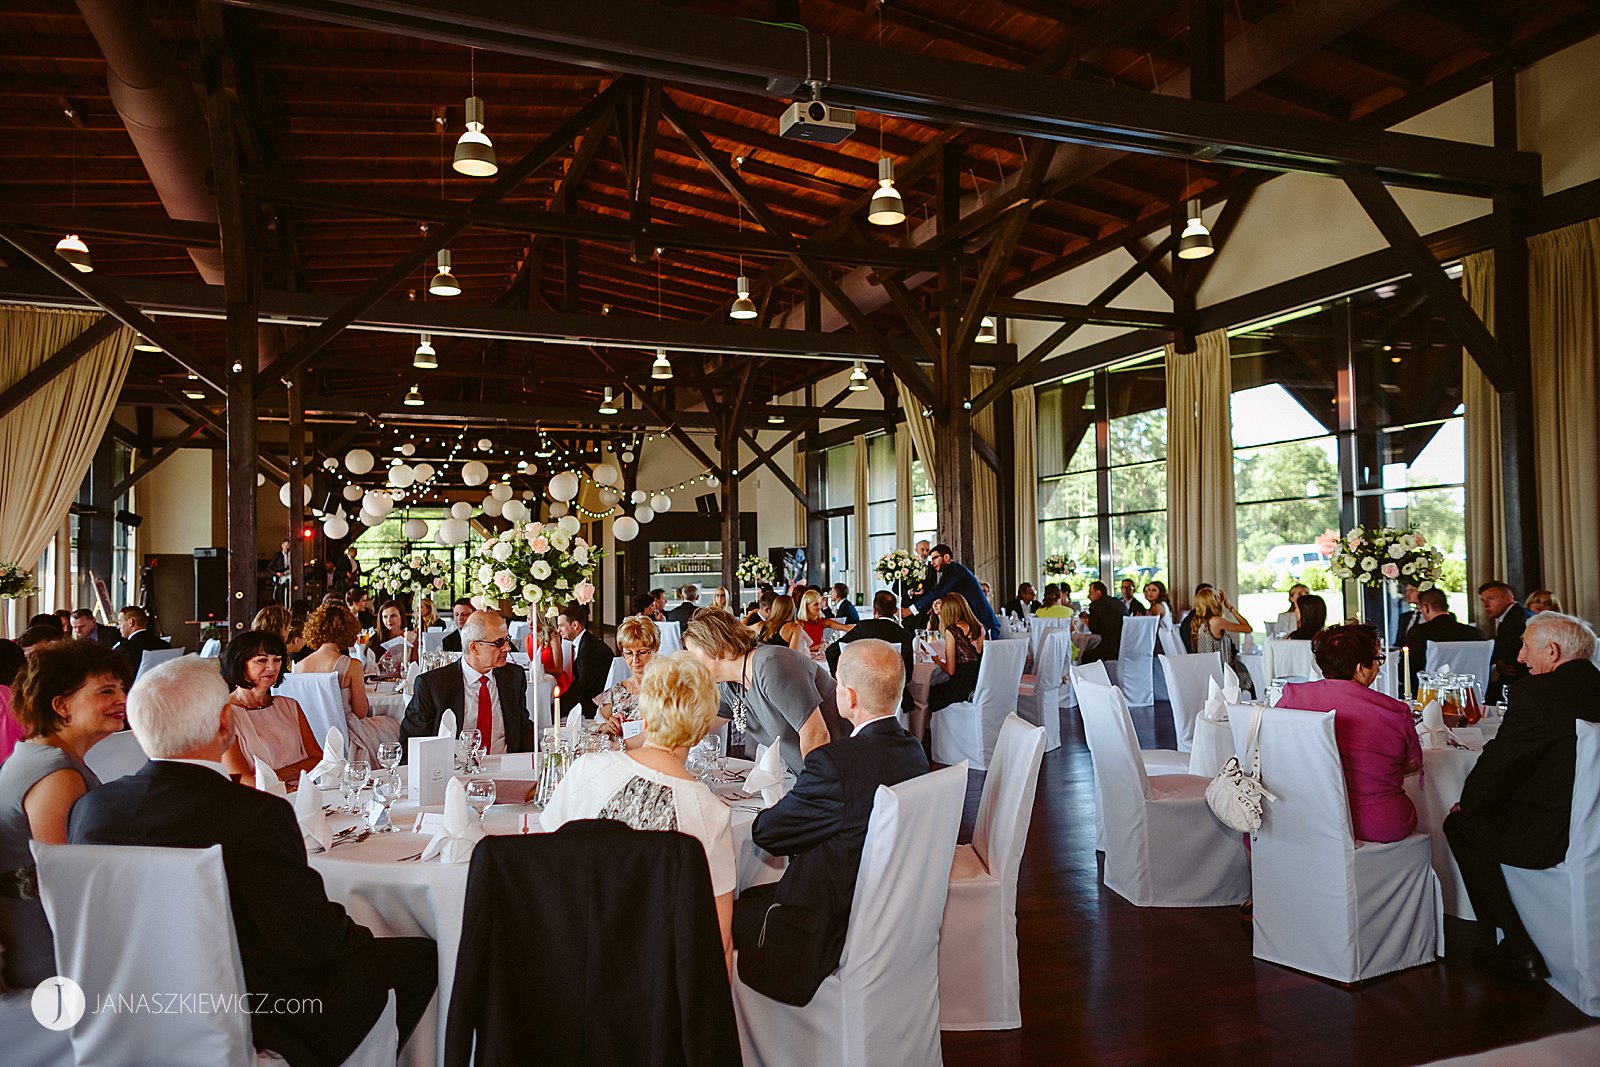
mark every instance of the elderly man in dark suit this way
{"type": "Point", "coordinates": [1516, 806]}
{"type": "Point", "coordinates": [294, 943]}
{"type": "Point", "coordinates": [1500, 604]}
{"type": "Point", "coordinates": [790, 936]}
{"type": "Point", "coordinates": [486, 693]}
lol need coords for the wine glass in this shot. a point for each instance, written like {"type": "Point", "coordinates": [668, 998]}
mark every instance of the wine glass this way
{"type": "Point", "coordinates": [718, 758]}
{"type": "Point", "coordinates": [346, 784]}
{"type": "Point", "coordinates": [389, 755]}
{"type": "Point", "coordinates": [358, 771]}
{"type": "Point", "coordinates": [386, 788]}
{"type": "Point", "coordinates": [466, 741]}
{"type": "Point", "coordinates": [480, 794]}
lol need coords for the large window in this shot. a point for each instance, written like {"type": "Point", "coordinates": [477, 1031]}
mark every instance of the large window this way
{"type": "Point", "coordinates": [881, 512]}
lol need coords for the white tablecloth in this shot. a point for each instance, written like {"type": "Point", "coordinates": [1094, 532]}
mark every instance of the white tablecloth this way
{"type": "Point", "coordinates": [393, 898]}
{"type": "Point", "coordinates": [1445, 773]}
{"type": "Point", "coordinates": [1212, 747]}
{"type": "Point", "coordinates": [922, 673]}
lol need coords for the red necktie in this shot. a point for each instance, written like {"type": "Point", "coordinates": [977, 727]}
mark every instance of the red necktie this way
{"type": "Point", "coordinates": [485, 712]}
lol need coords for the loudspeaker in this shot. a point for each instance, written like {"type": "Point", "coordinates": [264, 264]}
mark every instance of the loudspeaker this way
{"type": "Point", "coordinates": [709, 505]}
{"type": "Point", "coordinates": [210, 584]}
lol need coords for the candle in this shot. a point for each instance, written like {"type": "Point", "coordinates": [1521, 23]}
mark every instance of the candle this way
{"type": "Point", "coordinates": [1405, 657]}
{"type": "Point", "coordinates": [555, 709]}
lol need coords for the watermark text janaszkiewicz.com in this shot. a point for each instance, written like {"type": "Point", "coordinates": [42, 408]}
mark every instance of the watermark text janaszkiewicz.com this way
{"type": "Point", "coordinates": [58, 1003]}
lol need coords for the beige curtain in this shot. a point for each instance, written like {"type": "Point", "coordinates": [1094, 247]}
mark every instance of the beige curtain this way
{"type": "Point", "coordinates": [802, 518]}
{"type": "Point", "coordinates": [985, 491]}
{"type": "Point", "coordinates": [1025, 434]}
{"type": "Point", "coordinates": [48, 441]}
{"type": "Point", "coordinates": [1486, 510]}
{"type": "Point", "coordinates": [1200, 519]}
{"type": "Point", "coordinates": [902, 487]}
{"type": "Point", "coordinates": [862, 571]}
{"type": "Point", "coordinates": [1564, 335]}
{"type": "Point", "coordinates": [920, 425]}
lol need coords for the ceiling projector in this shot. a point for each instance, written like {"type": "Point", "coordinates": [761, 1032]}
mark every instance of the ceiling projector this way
{"type": "Point", "coordinates": [812, 120]}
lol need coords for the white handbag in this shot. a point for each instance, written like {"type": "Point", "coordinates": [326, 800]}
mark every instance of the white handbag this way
{"type": "Point", "coordinates": [1236, 798]}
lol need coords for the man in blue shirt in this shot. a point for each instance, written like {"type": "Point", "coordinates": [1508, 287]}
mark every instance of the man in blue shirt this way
{"type": "Point", "coordinates": [956, 578]}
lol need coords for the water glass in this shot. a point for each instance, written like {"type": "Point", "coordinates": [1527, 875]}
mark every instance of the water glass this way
{"type": "Point", "coordinates": [480, 794]}
{"type": "Point", "coordinates": [466, 741]}
{"type": "Point", "coordinates": [389, 755]}
{"type": "Point", "coordinates": [386, 788]}
{"type": "Point", "coordinates": [346, 784]}
{"type": "Point", "coordinates": [357, 772]}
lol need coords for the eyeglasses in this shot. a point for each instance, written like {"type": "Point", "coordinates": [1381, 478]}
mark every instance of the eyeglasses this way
{"type": "Point", "coordinates": [638, 653]}
{"type": "Point", "coordinates": [503, 642]}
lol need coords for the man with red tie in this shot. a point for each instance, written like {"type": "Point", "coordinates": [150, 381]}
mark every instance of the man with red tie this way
{"type": "Point", "coordinates": [485, 693]}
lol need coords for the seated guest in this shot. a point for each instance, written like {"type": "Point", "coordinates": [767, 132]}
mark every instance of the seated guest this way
{"type": "Point", "coordinates": [35, 637]}
{"type": "Point", "coordinates": [685, 609]}
{"type": "Point", "coordinates": [790, 936]}
{"type": "Point", "coordinates": [293, 941]}
{"type": "Point", "coordinates": [360, 603]}
{"type": "Point", "coordinates": [1542, 600]}
{"type": "Point", "coordinates": [392, 625]}
{"type": "Point", "coordinates": [1409, 616]}
{"type": "Point", "coordinates": [1212, 622]}
{"type": "Point", "coordinates": [1500, 604]}
{"type": "Point", "coordinates": [331, 630]}
{"type": "Point", "coordinates": [269, 727]}
{"type": "Point", "coordinates": [137, 639]}
{"type": "Point", "coordinates": [1286, 622]}
{"type": "Point", "coordinates": [779, 625]}
{"type": "Point", "coordinates": [1130, 603]}
{"type": "Point", "coordinates": [552, 650]}
{"type": "Point", "coordinates": [759, 611]}
{"type": "Point", "coordinates": [1024, 604]}
{"type": "Point", "coordinates": [813, 623]}
{"type": "Point", "coordinates": [1052, 608]}
{"type": "Point", "coordinates": [277, 619]}
{"type": "Point", "coordinates": [963, 649]}
{"type": "Point", "coordinates": [1436, 624]}
{"type": "Point", "coordinates": [1156, 602]}
{"type": "Point", "coordinates": [839, 606]}
{"type": "Point", "coordinates": [70, 696]}
{"type": "Point", "coordinates": [429, 618]}
{"type": "Point", "coordinates": [648, 788]}
{"type": "Point", "coordinates": [591, 659]}
{"type": "Point", "coordinates": [883, 626]}
{"type": "Point", "coordinates": [1310, 618]}
{"type": "Point", "coordinates": [1516, 806]}
{"type": "Point", "coordinates": [719, 599]}
{"type": "Point", "coordinates": [460, 610]}
{"type": "Point", "coordinates": [638, 641]}
{"type": "Point", "coordinates": [1186, 630]}
{"type": "Point", "coordinates": [645, 604]}
{"type": "Point", "coordinates": [50, 619]}
{"type": "Point", "coordinates": [1104, 618]}
{"type": "Point", "coordinates": [486, 693]}
{"type": "Point", "coordinates": [1377, 739]}
{"type": "Point", "coordinates": [12, 661]}
{"type": "Point", "coordinates": [84, 628]}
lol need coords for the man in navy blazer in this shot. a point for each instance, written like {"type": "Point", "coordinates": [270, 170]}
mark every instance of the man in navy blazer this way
{"type": "Point", "coordinates": [591, 659]}
{"type": "Point", "coordinates": [956, 578]}
{"type": "Point", "coordinates": [790, 936]}
{"type": "Point", "coordinates": [459, 687]}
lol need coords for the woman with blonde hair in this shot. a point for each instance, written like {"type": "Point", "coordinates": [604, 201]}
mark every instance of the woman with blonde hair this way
{"type": "Point", "coordinates": [963, 648]}
{"type": "Point", "coordinates": [638, 641]}
{"type": "Point", "coordinates": [277, 619]}
{"type": "Point", "coordinates": [719, 599]}
{"type": "Point", "coordinates": [780, 627]}
{"type": "Point", "coordinates": [812, 622]}
{"type": "Point", "coordinates": [1212, 623]}
{"type": "Point", "coordinates": [649, 788]}
{"type": "Point", "coordinates": [1542, 600]}
{"type": "Point", "coordinates": [330, 631]}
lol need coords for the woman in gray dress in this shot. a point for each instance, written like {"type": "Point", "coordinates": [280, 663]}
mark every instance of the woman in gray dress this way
{"type": "Point", "coordinates": [70, 696]}
{"type": "Point", "coordinates": [775, 695]}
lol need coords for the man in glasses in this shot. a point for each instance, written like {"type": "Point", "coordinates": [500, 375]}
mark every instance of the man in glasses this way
{"type": "Point", "coordinates": [485, 693]}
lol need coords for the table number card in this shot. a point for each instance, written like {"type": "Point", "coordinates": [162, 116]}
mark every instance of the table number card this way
{"type": "Point", "coordinates": [429, 764]}
{"type": "Point", "coordinates": [515, 763]}
{"type": "Point", "coordinates": [632, 727]}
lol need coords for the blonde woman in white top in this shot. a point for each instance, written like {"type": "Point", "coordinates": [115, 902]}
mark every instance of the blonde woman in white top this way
{"type": "Point", "coordinates": [649, 788]}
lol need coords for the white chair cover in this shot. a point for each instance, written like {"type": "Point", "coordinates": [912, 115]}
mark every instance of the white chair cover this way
{"type": "Point", "coordinates": [1258, 676]}
{"type": "Point", "coordinates": [25, 1041]}
{"type": "Point", "coordinates": [317, 693]}
{"type": "Point", "coordinates": [671, 637]}
{"type": "Point", "coordinates": [518, 632]}
{"type": "Point", "coordinates": [1155, 760]}
{"type": "Point", "coordinates": [968, 730]}
{"type": "Point", "coordinates": [1163, 846]}
{"type": "Point", "coordinates": [1136, 660]}
{"type": "Point", "coordinates": [1168, 639]}
{"type": "Point", "coordinates": [154, 658]}
{"type": "Point", "coordinates": [882, 1004]}
{"type": "Point", "coordinates": [115, 756]}
{"type": "Point", "coordinates": [1186, 690]}
{"type": "Point", "coordinates": [1462, 657]}
{"type": "Point", "coordinates": [1039, 700]}
{"type": "Point", "coordinates": [1283, 658]}
{"type": "Point", "coordinates": [980, 987]}
{"type": "Point", "coordinates": [432, 640]}
{"type": "Point", "coordinates": [619, 671]}
{"type": "Point", "coordinates": [1322, 905]}
{"type": "Point", "coordinates": [1561, 906]}
{"type": "Point", "coordinates": [1038, 628]}
{"type": "Point", "coordinates": [210, 649]}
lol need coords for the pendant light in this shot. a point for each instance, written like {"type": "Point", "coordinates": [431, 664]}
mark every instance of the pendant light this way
{"type": "Point", "coordinates": [887, 208]}
{"type": "Point", "coordinates": [608, 403]}
{"type": "Point", "coordinates": [1195, 241]}
{"type": "Point", "coordinates": [774, 419]}
{"type": "Point", "coordinates": [144, 344]}
{"type": "Point", "coordinates": [858, 378]}
{"type": "Point", "coordinates": [413, 399]}
{"type": "Point", "coordinates": [474, 152]}
{"type": "Point", "coordinates": [426, 358]}
{"type": "Point", "coordinates": [444, 283]}
{"type": "Point", "coordinates": [744, 307]}
{"type": "Point", "coordinates": [988, 332]}
{"type": "Point", "coordinates": [661, 369]}
{"type": "Point", "coordinates": [72, 249]}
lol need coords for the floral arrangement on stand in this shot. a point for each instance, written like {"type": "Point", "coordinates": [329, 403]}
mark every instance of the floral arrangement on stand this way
{"type": "Point", "coordinates": [753, 570]}
{"type": "Point", "coordinates": [16, 582]}
{"type": "Point", "coordinates": [1060, 568]}
{"type": "Point", "coordinates": [1376, 554]}
{"type": "Point", "coordinates": [417, 570]}
{"type": "Point", "coordinates": [899, 567]}
{"type": "Point", "coordinates": [536, 566]}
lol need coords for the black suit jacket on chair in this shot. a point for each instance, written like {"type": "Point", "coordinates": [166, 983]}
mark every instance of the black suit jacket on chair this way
{"type": "Point", "coordinates": [591, 665]}
{"type": "Point", "coordinates": [445, 689]}
{"type": "Point", "coordinates": [451, 642]}
{"type": "Point", "coordinates": [821, 826]}
{"type": "Point", "coordinates": [136, 646]}
{"type": "Point", "coordinates": [876, 630]}
{"type": "Point", "coordinates": [1520, 790]}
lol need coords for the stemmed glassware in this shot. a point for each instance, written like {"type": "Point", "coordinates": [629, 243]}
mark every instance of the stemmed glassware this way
{"type": "Point", "coordinates": [467, 743]}
{"type": "Point", "coordinates": [356, 774]}
{"type": "Point", "coordinates": [386, 788]}
{"type": "Point", "coordinates": [346, 784]}
{"type": "Point", "coordinates": [480, 794]}
{"type": "Point", "coordinates": [389, 755]}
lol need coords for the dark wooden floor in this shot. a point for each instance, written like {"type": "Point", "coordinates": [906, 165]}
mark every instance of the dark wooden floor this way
{"type": "Point", "coordinates": [1106, 983]}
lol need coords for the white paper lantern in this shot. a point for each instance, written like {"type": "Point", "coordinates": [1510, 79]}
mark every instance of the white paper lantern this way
{"type": "Point", "coordinates": [713, 481]}
{"type": "Point", "coordinates": [661, 502]}
{"type": "Point", "coordinates": [564, 486]}
{"type": "Point", "coordinates": [502, 492]}
{"type": "Point", "coordinates": [644, 513]}
{"type": "Point", "coordinates": [408, 449]}
{"type": "Point", "coordinates": [351, 493]}
{"type": "Point", "coordinates": [639, 496]}
{"type": "Point", "coordinates": [423, 471]}
{"type": "Point", "coordinates": [605, 474]}
{"type": "Point", "coordinates": [330, 464]}
{"type": "Point", "coordinates": [283, 494]}
{"type": "Point", "coordinates": [378, 503]}
{"type": "Point", "coordinates": [627, 457]}
{"type": "Point", "coordinates": [528, 495]}
{"type": "Point", "coordinates": [261, 479]}
{"type": "Point", "coordinates": [474, 473]}
{"type": "Point", "coordinates": [484, 444]}
{"type": "Point", "coordinates": [491, 507]}
{"type": "Point", "coordinates": [358, 461]}
{"type": "Point", "coordinates": [451, 532]}
{"type": "Point", "coordinates": [624, 529]}
{"type": "Point", "coordinates": [608, 497]}
{"type": "Point", "coordinates": [369, 519]}
{"type": "Point", "coordinates": [461, 510]}
{"type": "Point", "coordinates": [558, 509]}
{"type": "Point", "coordinates": [336, 526]}
{"type": "Point", "coordinates": [571, 524]}
{"type": "Point", "coordinates": [514, 510]}
{"type": "Point", "coordinates": [401, 476]}
{"type": "Point", "coordinates": [415, 529]}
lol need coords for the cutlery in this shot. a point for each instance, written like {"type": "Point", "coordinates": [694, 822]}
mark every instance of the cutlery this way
{"type": "Point", "coordinates": [362, 836]}
{"type": "Point", "coordinates": [413, 856]}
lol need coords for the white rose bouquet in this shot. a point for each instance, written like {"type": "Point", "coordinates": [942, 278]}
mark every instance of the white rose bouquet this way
{"type": "Point", "coordinates": [899, 566]}
{"type": "Point", "coordinates": [536, 566]}
{"type": "Point", "coordinates": [16, 582]}
{"type": "Point", "coordinates": [1060, 567]}
{"type": "Point", "coordinates": [753, 570]}
{"type": "Point", "coordinates": [419, 570]}
{"type": "Point", "coordinates": [1377, 554]}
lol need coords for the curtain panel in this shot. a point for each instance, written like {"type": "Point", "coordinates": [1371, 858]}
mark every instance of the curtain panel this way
{"type": "Point", "coordinates": [1025, 434]}
{"type": "Point", "coordinates": [902, 487]}
{"type": "Point", "coordinates": [862, 571]}
{"type": "Point", "coordinates": [985, 491]}
{"type": "Point", "coordinates": [1485, 474]}
{"type": "Point", "coordinates": [1200, 507]}
{"type": "Point", "coordinates": [920, 425]}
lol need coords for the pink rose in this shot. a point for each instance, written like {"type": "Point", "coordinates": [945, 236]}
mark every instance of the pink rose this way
{"type": "Point", "coordinates": [1420, 540]}
{"type": "Point", "coordinates": [540, 545]}
{"type": "Point", "coordinates": [505, 581]}
{"type": "Point", "coordinates": [584, 593]}
{"type": "Point", "coordinates": [1391, 570]}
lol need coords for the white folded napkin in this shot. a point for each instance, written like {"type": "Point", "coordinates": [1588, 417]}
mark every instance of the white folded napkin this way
{"type": "Point", "coordinates": [574, 725]}
{"type": "Point", "coordinates": [767, 776]}
{"type": "Point", "coordinates": [1216, 708]}
{"type": "Point", "coordinates": [447, 724]}
{"type": "Point", "coordinates": [332, 754]}
{"type": "Point", "coordinates": [1433, 732]}
{"type": "Point", "coordinates": [460, 833]}
{"type": "Point", "coordinates": [267, 781]}
{"type": "Point", "coordinates": [308, 813]}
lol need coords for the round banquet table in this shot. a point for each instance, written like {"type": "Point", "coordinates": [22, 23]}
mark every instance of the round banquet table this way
{"type": "Point", "coordinates": [1444, 774]}
{"type": "Point", "coordinates": [395, 896]}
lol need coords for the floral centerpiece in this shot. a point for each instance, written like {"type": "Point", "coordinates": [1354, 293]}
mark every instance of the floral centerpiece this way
{"type": "Point", "coordinates": [16, 582]}
{"type": "Point", "coordinates": [899, 566]}
{"type": "Point", "coordinates": [1373, 555]}
{"type": "Point", "coordinates": [753, 570]}
{"type": "Point", "coordinates": [418, 570]}
{"type": "Point", "coordinates": [536, 566]}
{"type": "Point", "coordinates": [1060, 567]}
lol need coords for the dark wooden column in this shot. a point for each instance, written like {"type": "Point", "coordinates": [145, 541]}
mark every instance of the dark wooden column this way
{"type": "Point", "coordinates": [95, 524]}
{"type": "Point", "coordinates": [952, 419]}
{"type": "Point", "coordinates": [297, 491]}
{"type": "Point", "coordinates": [731, 545]}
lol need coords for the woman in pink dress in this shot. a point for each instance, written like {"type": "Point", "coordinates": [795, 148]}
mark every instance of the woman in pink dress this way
{"type": "Point", "coordinates": [11, 664]}
{"type": "Point", "coordinates": [269, 727]}
{"type": "Point", "coordinates": [1377, 738]}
